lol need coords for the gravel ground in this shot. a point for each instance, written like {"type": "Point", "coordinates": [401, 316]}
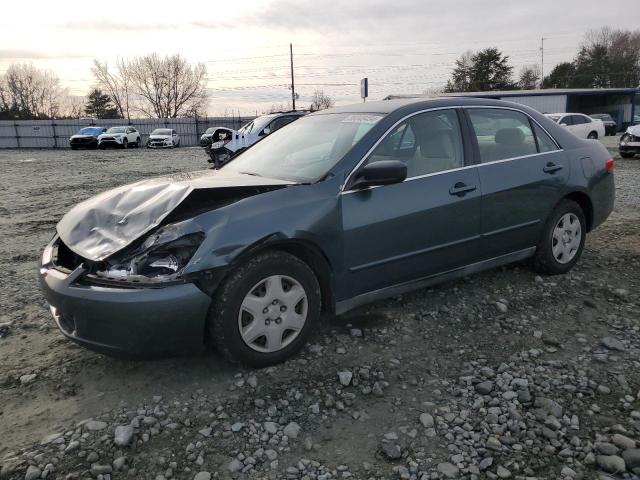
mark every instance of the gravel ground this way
{"type": "Point", "coordinates": [501, 375]}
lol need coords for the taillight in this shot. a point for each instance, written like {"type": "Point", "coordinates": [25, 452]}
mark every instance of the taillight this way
{"type": "Point", "coordinates": [609, 165]}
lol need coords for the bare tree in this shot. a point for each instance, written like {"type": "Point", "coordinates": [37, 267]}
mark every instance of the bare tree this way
{"type": "Point", "coordinates": [168, 87]}
{"type": "Point", "coordinates": [529, 77]}
{"type": "Point", "coordinates": [279, 107]}
{"type": "Point", "coordinates": [117, 84]}
{"type": "Point", "coordinates": [72, 106]}
{"type": "Point", "coordinates": [320, 101]}
{"type": "Point", "coordinates": [32, 92]}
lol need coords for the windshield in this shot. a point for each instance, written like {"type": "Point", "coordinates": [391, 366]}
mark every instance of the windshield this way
{"type": "Point", "coordinates": [555, 118]}
{"type": "Point", "coordinates": [161, 131]}
{"type": "Point", "coordinates": [91, 131]}
{"type": "Point", "coordinates": [255, 126]}
{"type": "Point", "coordinates": [210, 130]}
{"type": "Point", "coordinates": [307, 148]}
{"type": "Point", "coordinates": [117, 130]}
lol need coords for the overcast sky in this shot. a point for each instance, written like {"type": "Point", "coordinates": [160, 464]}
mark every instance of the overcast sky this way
{"type": "Point", "coordinates": [402, 46]}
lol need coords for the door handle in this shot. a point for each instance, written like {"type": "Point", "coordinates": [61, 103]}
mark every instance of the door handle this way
{"type": "Point", "coordinates": [551, 168]}
{"type": "Point", "coordinates": [460, 189]}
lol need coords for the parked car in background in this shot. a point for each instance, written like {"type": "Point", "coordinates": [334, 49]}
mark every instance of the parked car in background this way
{"type": "Point", "coordinates": [205, 138]}
{"type": "Point", "coordinates": [610, 125]}
{"type": "Point", "coordinates": [122, 137]}
{"type": "Point", "coordinates": [163, 138]}
{"type": "Point", "coordinates": [580, 125]}
{"type": "Point", "coordinates": [341, 208]}
{"type": "Point", "coordinates": [224, 143]}
{"type": "Point", "coordinates": [630, 142]}
{"type": "Point", "coordinates": [87, 137]}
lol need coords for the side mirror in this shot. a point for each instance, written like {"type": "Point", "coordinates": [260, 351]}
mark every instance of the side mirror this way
{"type": "Point", "coordinates": [266, 131]}
{"type": "Point", "coordinates": [384, 172]}
{"type": "Point", "coordinates": [563, 124]}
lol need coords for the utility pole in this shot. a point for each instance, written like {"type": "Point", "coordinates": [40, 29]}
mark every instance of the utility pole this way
{"type": "Point", "coordinates": [542, 63]}
{"type": "Point", "coordinates": [293, 86]}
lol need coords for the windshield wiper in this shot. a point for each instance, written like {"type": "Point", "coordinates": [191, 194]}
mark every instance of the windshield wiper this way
{"type": "Point", "coordinates": [253, 174]}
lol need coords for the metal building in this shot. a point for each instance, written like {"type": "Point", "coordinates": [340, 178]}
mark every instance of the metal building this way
{"type": "Point", "coordinates": [623, 104]}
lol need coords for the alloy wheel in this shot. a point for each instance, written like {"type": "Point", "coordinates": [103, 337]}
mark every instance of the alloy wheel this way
{"type": "Point", "coordinates": [273, 313]}
{"type": "Point", "coordinates": [566, 238]}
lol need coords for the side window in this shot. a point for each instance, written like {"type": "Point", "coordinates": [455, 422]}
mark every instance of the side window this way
{"type": "Point", "coordinates": [545, 143]}
{"type": "Point", "coordinates": [428, 143]}
{"type": "Point", "coordinates": [577, 119]}
{"type": "Point", "coordinates": [502, 134]}
{"type": "Point", "coordinates": [278, 123]}
{"type": "Point", "coordinates": [568, 120]}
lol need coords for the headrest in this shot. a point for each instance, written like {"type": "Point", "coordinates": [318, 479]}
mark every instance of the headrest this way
{"type": "Point", "coordinates": [436, 144]}
{"type": "Point", "coordinates": [510, 136]}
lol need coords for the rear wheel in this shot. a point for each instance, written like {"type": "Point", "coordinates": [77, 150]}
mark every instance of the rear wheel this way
{"type": "Point", "coordinates": [593, 136]}
{"type": "Point", "coordinates": [562, 240]}
{"type": "Point", "coordinates": [265, 310]}
{"type": "Point", "coordinates": [627, 154]}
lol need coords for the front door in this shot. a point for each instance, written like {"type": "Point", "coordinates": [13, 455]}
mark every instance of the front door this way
{"type": "Point", "coordinates": [427, 224]}
{"type": "Point", "coordinates": [522, 174]}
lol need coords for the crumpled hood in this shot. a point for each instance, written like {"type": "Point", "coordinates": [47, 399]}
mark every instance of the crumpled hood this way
{"type": "Point", "coordinates": [634, 130]}
{"type": "Point", "coordinates": [108, 222]}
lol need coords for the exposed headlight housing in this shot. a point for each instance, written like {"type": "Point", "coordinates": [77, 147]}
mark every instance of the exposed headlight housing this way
{"type": "Point", "coordinates": [160, 258]}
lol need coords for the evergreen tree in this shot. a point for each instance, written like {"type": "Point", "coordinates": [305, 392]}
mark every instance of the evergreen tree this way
{"type": "Point", "coordinates": [99, 105]}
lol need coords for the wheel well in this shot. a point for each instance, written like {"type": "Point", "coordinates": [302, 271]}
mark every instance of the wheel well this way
{"type": "Point", "coordinates": [317, 262]}
{"type": "Point", "coordinates": [584, 201]}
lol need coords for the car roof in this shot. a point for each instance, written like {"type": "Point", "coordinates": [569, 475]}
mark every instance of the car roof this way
{"type": "Point", "coordinates": [388, 106]}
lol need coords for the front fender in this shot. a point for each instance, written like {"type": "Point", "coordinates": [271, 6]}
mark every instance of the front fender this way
{"type": "Point", "coordinates": [301, 213]}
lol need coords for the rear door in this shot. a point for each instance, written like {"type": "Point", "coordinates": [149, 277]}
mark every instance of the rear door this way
{"type": "Point", "coordinates": [522, 173]}
{"type": "Point", "coordinates": [427, 224]}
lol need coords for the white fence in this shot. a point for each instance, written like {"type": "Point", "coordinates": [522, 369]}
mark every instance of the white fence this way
{"type": "Point", "coordinates": [56, 133]}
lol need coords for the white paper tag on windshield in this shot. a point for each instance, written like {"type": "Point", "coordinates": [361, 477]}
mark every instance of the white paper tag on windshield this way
{"type": "Point", "coordinates": [362, 118]}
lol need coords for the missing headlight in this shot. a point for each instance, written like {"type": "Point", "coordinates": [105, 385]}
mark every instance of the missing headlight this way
{"type": "Point", "coordinates": [153, 260]}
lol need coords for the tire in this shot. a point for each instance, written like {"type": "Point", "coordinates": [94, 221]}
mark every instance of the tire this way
{"type": "Point", "coordinates": [627, 154]}
{"type": "Point", "coordinates": [548, 262]}
{"type": "Point", "coordinates": [138, 142]}
{"type": "Point", "coordinates": [101, 147]}
{"type": "Point", "coordinates": [74, 147]}
{"type": "Point", "coordinates": [593, 136]}
{"type": "Point", "coordinates": [248, 283]}
{"type": "Point", "coordinates": [125, 143]}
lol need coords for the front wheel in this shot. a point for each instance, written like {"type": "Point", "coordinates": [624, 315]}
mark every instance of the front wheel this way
{"type": "Point", "coordinates": [562, 240]}
{"type": "Point", "coordinates": [265, 310]}
{"type": "Point", "coordinates": [593, 136]}
{"type": "Point", "coordinates": [627, 154]}
{"type": "Point", "coordinates": [125, 143]}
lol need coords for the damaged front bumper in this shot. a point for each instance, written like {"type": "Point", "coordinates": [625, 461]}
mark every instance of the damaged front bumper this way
{"type": "Point", "coordinates": [126, 322]}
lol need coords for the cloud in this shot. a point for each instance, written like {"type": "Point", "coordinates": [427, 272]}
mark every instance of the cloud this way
{"type": "Point", "coordinates": [9, 54]}
{"type": "Point", "coordinates": [108, 25]}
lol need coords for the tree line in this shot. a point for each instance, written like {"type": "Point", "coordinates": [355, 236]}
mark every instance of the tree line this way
{"type": "Point", "coordinates": [607, 58]}
{"type": "Point", "coordinates": [151, 86]}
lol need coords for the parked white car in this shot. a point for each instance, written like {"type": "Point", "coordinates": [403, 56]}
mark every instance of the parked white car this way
{"type": "Point", "coordinates": [163, 138]}
{"type": "Point", "coordinates": [222, 143]}
{"type": "Point", "coordinates": [580, 125]}
{"type": "Point", "coordinates": [122, 137]}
